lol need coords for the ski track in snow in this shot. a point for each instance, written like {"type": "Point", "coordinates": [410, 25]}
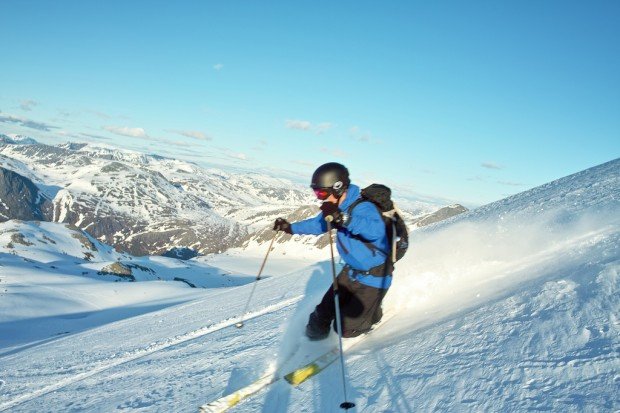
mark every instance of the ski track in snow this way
{"type": "Point", "coordinates": [150, 349]}
{"type": "Point", "coordinates": [101, 200]}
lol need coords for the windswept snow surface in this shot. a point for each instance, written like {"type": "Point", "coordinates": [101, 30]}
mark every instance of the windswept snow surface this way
{"type": "Point", "coordinates": [511, 307]}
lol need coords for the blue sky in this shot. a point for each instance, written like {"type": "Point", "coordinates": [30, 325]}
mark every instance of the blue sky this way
{"type": "Point", "coordinates": [466, 101]}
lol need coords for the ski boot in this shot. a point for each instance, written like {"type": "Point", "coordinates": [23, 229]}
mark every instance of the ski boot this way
{"type": "Point", "coordinates": [316, 328]}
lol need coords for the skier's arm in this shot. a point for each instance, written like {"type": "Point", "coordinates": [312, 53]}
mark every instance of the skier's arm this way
{"type": "Point", "coordinates": [310, 226]}
{"type": "Point", "coordinates": [367, 222]}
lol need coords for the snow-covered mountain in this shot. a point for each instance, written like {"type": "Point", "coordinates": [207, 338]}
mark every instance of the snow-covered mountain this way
{"type": "Point", "coordinates": [16, 139]}
{"type": "Point", "coordinates": [150, 205]}
{"type": "Point", "coordinates": [509, 307]}
{"type": "Point", "coordinates": [20, 198]}
{"type": "Point", "coordinates": [146, 204]}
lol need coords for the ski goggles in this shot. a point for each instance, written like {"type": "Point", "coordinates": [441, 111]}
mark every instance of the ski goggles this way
{"type": "Point", "coordinates": [322, 193]}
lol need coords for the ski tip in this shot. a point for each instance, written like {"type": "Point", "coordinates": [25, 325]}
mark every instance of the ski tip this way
{"type": "Point", "coordinates": [223, 404]}
{"type": "Point", "coordinates": [347, 405]}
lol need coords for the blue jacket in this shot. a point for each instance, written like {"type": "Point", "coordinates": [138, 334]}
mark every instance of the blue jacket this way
{"type": "Point", "coordinates": [365, 221]}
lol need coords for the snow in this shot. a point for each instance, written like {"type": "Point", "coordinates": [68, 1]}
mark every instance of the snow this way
{"type": "Point", "coordinates": [20, 139]}
{"type": "Point", "coordinates": [510, 307]}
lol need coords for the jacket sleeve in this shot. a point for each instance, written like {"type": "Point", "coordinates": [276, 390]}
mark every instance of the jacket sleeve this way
{"type": "Point", "coordinates": [310, 226]}
{"type": "Point", "coordinates": [367, 222]}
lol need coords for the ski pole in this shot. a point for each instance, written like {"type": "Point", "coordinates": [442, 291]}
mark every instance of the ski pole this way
{"type": "Point", "coordinates": [245, 310]}
{"type": "Point", "coordinates": [346, 404]}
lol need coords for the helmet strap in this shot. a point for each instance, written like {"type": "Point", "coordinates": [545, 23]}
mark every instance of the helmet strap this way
{"type": "Point", "coordinates": [340, 196]}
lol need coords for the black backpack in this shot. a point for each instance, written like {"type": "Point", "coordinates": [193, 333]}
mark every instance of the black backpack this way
{"type": "Point", "coordinates": [381, 197]}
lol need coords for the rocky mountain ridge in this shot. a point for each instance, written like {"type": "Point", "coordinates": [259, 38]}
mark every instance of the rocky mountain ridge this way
{"type": "Point", "coordinates": [147, 204]}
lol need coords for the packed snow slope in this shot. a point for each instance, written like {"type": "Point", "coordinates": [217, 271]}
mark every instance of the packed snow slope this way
{"type": "Point", "coordinates": [56, 279]}
{"type": "Point", "coordinates": [510, 307]}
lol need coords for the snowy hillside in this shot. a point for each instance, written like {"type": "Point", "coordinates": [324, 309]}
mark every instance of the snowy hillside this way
{"type": "Point", "coordinates": [510, 307]}
{"type": "Point", "coordinates": [51, 272]}
{"type": "Point", "coordinates": [46, 242]}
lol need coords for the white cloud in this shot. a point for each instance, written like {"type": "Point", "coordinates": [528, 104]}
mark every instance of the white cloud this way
{"type": "Point", "coordinates": [323, 127]}
{"type": "Point", "coordinates": [336, 153]}
{"type": "Point", "coordinates": [477, 178]}
{"type": "Point", "coordinates": [127, 131]}
{"type": "Point", "coordinates": [491, 165]}
{"type": "Point", "coordinates": [261, 145]}
{"type": "Point", "coordinates": [27, 123]}
{"type": "Point", "coordinates": [509, 183]}
{"type": "Point", "coordinates": [304, 163]}
{"type": "Point", "coordinates": [241, 156]}
{"type": "Point", "coordinates": [192, 134]}
{"type": "Point", "coordinates": [27, 104]}
{"type": "Point", "coordinates": [298, 124]}
{"type": "Point", "coordinates": [99, 114]}
{"type": "Point", "coordinates": [308, 126]}
{"type": "Point", "coordinates": [218, 67]}
{"type": "Point", "coordinates": [359, 135]}
{"type": "Point", "coordinates": [93, 136]}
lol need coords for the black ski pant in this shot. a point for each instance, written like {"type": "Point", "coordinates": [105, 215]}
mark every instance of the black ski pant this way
{"type": "Point", "coordinates": [360, 306]}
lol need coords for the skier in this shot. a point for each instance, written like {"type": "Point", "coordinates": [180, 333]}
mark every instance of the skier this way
{"type": "Point", "coordinates": [363, 245]}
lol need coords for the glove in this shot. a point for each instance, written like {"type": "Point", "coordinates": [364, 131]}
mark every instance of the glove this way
{"type": "Point", "coordinates": [282, 225]}
{"type": "Point", "coordinates": [330, 209]}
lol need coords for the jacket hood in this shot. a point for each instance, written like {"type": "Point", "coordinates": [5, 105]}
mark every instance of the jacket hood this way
{"type": "Point", "coordinates": [353, 192]}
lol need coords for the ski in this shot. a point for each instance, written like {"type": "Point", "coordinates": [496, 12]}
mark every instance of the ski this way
{"type": "Point", "coordinates": [294, 377]}
{"type": "Point", "coordinates": [314, 367]}
{"type": "Point", "coordinates": [224, 403]}
{"type": "Point", "coordinates": [298, 376]}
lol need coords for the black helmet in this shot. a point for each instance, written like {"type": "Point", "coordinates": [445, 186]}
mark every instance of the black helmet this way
{"type": "Point", "coordinates": [331, 175]}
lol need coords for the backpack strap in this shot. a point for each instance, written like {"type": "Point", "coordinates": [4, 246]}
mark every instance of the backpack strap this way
{"type": "Point", "coordinates": [354, 204]}
{"type": "Point", "coordinates": [392, 216]}
{"type": "Point", "coordinates": [366, 242]}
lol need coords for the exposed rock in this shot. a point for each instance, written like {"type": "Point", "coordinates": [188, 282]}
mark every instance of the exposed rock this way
{"type": "Point", "coordinates": [185, 281]}
{"type": "Point", "coordinates": [181, 253]}
{"type": "Point", "coordinates": [21, 199]}
{"type": "Point", "coordinates": [439, 215]}
{"type": "Point", "coordinates": [117, 269]}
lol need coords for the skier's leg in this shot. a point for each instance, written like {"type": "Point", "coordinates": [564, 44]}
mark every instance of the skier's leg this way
{"type": "Point", "coordinates": [325, 312]}
{"type": "Point", "coordinates": [363, 309]}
